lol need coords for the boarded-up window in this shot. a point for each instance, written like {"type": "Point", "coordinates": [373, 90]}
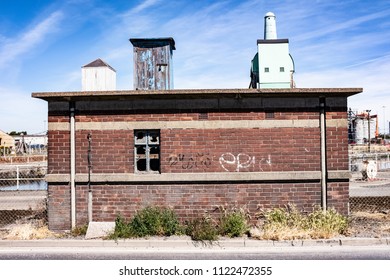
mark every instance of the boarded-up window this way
{"type": "Point", "coordinates": [147, 151]}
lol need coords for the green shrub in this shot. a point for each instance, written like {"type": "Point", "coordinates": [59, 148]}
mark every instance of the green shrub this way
{"type": "Point", "coordinates": [288, 217]}
{"type": "Point", "coordinates": [155, 221]}
{"type": "Point", "coordinates": [202, 229]}
{"type": "Point", "coordinates": [233, 223]}
{"type": "Point", "coordinates": [147, 222]}
{"type": "Point", "coordinates": [325, 224]}
{"type": "Point", "coordinates": [122, 229]}
{"type": "Point", "coordinates": [79, 230]}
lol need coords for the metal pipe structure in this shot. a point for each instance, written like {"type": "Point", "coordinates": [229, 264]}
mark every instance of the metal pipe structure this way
{"type": "Point", "coordinates": [323, 156]}
{"type": "Point", "coordinates": [72, 165]}
{"type": "Point", "coordinates": [369, 130]}
{"type": "Point", "coordinates": [89, 137]}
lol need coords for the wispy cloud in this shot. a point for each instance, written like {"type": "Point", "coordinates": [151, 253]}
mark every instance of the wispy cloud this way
{"type": "Point", "coordinates": [141, 7]}
{"type": "Point", "coordinates": [334, 43]}
{"type": "Point", "coordinates": [25, 42]}
{"type": "Point", "coordinates": [339, 26]}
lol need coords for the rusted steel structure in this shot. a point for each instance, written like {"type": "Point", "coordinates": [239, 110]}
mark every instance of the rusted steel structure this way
{"type": "Point", "coordinates": [153, 63]}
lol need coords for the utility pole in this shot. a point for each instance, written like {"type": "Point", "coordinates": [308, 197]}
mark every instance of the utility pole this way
{"type": "Point", "coordinates": [384, 125]}
{"type": "Point", "coordinates": [369, 130]}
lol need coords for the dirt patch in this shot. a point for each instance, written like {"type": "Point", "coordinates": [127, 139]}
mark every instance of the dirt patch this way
{"type": "Point", "coordinates": [364, 224]}
{"type": "Point", "coordinates": [24, 225]}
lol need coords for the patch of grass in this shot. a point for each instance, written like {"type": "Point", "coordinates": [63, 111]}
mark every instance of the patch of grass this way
{"type": "Point", "coordinates": [289, 223]}
{"type": "Point", "coordinates": [326, 224]}
{"type": "Point", "coordinates": [148, 222]}
{"type": "Point", "coordinates": [202, 229]}
{"type": "Point", "coordinates": [79, 231]}
{"type": "Point", "coordinates": [233, 223]}
{"type": "Point", "coordinates": [122, 229]}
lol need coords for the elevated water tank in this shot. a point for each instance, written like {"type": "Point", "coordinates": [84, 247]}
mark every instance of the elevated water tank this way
{"type": "Point", "coordinates": [98, 76]}
{"type": "Point", "coordinates": [153, 63]}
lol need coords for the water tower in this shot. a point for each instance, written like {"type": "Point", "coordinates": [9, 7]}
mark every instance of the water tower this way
{"type": "Point", "coordinates": [153, 63]}
{"type": "Point", "coordinates": [272, 66]}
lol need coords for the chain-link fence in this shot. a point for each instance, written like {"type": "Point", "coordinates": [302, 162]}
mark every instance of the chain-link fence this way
{"type": "Point", "coordinates": [23, 192]}
{"type": "Point", "coordinates": [370, 183]}
{"type": "Point", "coordinates": [358, 161]}
{"type": "Point", "coordinates": [370, 204]}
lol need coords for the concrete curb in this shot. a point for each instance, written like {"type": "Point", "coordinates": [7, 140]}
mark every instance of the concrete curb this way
{"type": "Point", "coordinates": [187, 243]}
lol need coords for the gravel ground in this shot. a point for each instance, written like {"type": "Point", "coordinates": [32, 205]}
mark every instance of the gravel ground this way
{"type": "Point", "coordinates": [370, 206]}
{"type": "Point", "coordinates": [364, 224]}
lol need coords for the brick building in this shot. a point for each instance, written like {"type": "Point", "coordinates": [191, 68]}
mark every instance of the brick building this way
{"type": "Point", "coordinates": [194, 150]}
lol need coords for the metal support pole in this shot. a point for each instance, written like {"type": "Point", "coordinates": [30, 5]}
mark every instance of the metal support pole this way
{"type": "Point", "coordinates": [72, 165]}
{"type": "Point", "coordinates": [384, 125]}
{"type": "Point", "coordinates": [17, 177]}
{"type": "Point", "coordinates": [89, 137]}
{"type": "Point", "coordinates": [323, 156]}
{"type": "Point", "coordinates": [369, 130]}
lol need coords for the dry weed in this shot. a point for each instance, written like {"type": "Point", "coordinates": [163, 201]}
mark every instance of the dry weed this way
{"type": "Point", "coordinates": [28, 231]}
{"type": "Point", "coordinates": [275, 232]}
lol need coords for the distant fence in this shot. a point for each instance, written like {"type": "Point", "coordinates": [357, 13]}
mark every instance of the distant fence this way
{"type": "Point", "coordinates": [23, 192]}
{"type": "Point", "coordinates": [356, 161]}
{"type": "Point", "coordinates": [26, 159]}
{"type": "Point", "coordinates": [370, 204]}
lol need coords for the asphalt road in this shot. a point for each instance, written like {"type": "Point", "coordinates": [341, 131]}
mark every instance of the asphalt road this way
{"type": "Point", "coordinates": [275, 253]}
{"type": "Point", "coordinates": [22, 200]}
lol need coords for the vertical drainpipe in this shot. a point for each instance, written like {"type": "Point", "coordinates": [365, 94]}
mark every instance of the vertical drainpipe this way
{"type": "Point", "coordinates": [324, 170]}
{"type": "Point", "coordinates": [89, 137]}
{"type": "Point", "coordinates": [72, 165]}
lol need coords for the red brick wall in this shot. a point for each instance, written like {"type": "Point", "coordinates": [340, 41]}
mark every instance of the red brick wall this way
{"type": "Point", "coordinates": [186, 116]}
{"type": "Point", "coordinates": [337, 143]}
{"type": "Point", "coordinates": [58, 152]}
{"type": "Point", "coordinates": [188, 201]}
{"type": "Point", "coordinates": [112, 151]}
{"type": "Point", "coordinates": [59, 207]}
{"type": "Point", "coordinates": [240, 150]}
{"type": "Point", "coordinates": [197, 151]}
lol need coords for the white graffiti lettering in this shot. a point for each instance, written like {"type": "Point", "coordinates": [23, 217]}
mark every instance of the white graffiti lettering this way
{"type": "Point", "coordinates": [231, 163]}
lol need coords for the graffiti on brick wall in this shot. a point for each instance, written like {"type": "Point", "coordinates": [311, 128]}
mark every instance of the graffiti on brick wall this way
{"type": "Point", "coordinates": [228, 161]}
{"type": "Point", "coordinates": [236, 163]}
{"type": "Point", "coordinates": [199, 160]}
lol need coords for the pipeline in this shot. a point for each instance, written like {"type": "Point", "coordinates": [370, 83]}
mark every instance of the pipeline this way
{"type": "Point", "coordinates": [89, 137]}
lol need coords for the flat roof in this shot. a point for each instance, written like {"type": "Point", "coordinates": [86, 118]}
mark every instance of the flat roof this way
{"type": "Point", "coordinates": [195, 93]}
{"type": "Point", "coordinates": [153, 42]}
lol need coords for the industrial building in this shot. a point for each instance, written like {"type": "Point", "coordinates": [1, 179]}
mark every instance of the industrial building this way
{"type": "Point", "coordinates": [114, 152]}
{"type": "Point", "coordinates": [7, 144]}
{"type": "Point", "coordinates": [363, 127]}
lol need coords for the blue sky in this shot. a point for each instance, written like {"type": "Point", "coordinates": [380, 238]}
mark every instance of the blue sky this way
{"type": "Point", "coordinates": [43, 45]}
